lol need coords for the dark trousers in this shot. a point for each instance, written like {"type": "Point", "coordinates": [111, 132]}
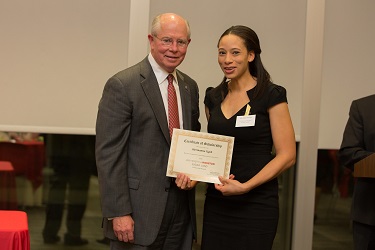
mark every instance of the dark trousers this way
{"type": "Point", "coordinates": [67, 183]}
{"type": "Point", "coordinates": [176, 232]}
{"type": "Point", "coordinates": [363, 236]}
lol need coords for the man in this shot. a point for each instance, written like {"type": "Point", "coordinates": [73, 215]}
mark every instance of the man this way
{"type": "Point", "coordinates": [142, 208]}
{"type": "Point", "coordinates": [358, 143]}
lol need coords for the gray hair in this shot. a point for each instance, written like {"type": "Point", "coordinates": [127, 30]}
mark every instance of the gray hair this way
{"type": "Point", "coordinates": [156, 24]}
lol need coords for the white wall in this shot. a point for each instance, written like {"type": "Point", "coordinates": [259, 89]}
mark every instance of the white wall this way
{"type": "Point", "coordinates": [57, 55]}
{"type": "Point", "coordinates": [55, 59]}
{"type": "Point", "coordinates": [348, 64]}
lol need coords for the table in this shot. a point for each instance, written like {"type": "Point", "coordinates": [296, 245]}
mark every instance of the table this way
{"type": "Point", "coordinates": [8, 192]}
{"type": "Point", "coordinates": [28, 159]}
{"type": "Point", "coordinates": [14, 231]}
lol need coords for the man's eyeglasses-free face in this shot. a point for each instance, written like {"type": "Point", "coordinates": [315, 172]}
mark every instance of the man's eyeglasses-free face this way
{"type": "Point", "coordinates": [167, 41]}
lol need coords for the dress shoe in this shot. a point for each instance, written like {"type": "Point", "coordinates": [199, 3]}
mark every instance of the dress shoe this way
{"type": "Point", "coordinates": [51, 239]}
{"type": "Point", "coordinates": [74, 240]}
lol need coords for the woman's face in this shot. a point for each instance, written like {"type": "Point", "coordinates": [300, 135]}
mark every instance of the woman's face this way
{"type": "Point", "coordinates": [233, 57]}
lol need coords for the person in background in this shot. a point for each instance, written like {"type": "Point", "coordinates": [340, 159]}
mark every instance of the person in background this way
{"type": "Point", "coordinates": [242, 212]}
{"type": "Point", "coordinates": [358, 142]}
{"type": "Point", "coordinates": [72, 160]}
{"type": "Point", "coordinates": [142, 208]}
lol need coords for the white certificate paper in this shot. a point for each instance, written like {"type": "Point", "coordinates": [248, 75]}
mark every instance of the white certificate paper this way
{"type": "Point", "coordinates": [201, 156]}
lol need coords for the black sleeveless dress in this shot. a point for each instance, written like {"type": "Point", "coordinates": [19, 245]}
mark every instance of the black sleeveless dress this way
{"type": "Point", "coordinates": [247, 221]}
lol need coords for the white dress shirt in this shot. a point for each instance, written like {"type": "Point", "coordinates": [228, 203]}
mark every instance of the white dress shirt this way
{"type": "Point", "coordinates": [161, 77]}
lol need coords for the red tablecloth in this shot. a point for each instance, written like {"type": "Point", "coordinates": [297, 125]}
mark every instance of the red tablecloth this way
{"type": "Point", "coordinates": [14, 231]}
{"type": "Point", "coordinates": [27, 158]}
{"type": "Point", "coordinates": [8, 192]}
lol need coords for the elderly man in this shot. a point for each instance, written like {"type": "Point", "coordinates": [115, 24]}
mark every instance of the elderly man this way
{"type": "Point", "coordinates": [140, 106]}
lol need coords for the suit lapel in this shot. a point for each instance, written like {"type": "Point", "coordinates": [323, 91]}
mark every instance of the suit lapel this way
{"type": "Point", "coordinates": [185, 100]}
{"type": "Point", "coordinates": [152, 92]}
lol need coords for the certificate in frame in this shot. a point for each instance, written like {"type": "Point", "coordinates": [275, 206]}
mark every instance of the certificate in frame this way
{"type": "Point", "coordinates": [202, 156]}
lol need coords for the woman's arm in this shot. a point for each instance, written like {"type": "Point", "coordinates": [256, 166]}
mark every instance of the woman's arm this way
{"type": "Point", "coordinates": [207, 111]}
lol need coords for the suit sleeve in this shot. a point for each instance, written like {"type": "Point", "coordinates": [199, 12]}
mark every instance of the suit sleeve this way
{"type": "Point", "coordinates": [352, 147]}
{"type": "Point", "coordinates": [112, 136]}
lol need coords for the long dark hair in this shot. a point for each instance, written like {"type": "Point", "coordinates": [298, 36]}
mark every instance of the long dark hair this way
{"type": "Point", "coordinates": [256, 68]}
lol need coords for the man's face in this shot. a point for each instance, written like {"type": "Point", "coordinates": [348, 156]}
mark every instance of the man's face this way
{"type": "Point", "coordinates": [170, 44]}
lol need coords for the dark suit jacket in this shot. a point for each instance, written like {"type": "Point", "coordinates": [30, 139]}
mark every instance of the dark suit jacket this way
{"type": "Point", "coordinates": [132, 148]}
{"type": "Point", "coordinates": [359, 142]}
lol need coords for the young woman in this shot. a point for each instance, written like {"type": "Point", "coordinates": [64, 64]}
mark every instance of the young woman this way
{"type": "Point", "coordinates": [242, 212]}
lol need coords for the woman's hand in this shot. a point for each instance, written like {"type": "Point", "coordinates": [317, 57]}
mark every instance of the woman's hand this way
{"type": "Point", "coordinates": [230, 186]}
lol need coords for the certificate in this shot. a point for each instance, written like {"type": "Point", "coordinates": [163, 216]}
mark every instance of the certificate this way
{"type": "Point", "coordinates": [201, 156]}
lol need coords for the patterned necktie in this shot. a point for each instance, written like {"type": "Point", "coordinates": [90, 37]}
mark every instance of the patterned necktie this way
{"type": "Point", "coordinates": [174, 121]}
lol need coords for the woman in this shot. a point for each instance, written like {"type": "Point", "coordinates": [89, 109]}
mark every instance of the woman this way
{"type": "Point", "coordinates": [242, 212]}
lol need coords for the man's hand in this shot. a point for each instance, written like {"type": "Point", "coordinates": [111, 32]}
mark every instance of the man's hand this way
{"type": "Point", "coordinates": [183, 182]}
{"type": "Point", "coordinates": [123, 228]}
